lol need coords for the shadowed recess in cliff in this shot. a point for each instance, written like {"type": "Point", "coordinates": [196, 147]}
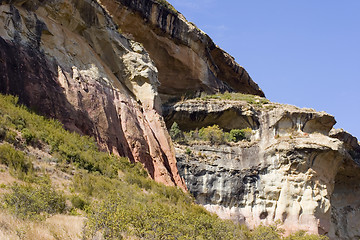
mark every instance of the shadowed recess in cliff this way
{"type": "Point", "coordinates": [195, 114]}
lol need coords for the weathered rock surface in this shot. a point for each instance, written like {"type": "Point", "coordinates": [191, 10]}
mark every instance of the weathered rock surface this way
{"type": "Point", "coordinates": [192, 114]}
{"type": "Point", "coordinates": [291, 170]}
{"type": "Point", "coordinates": [346, 196]}
{"type": "Point", "coordinates": [188, 60]}
{"type": "Point", "coordinates": [66, 59]}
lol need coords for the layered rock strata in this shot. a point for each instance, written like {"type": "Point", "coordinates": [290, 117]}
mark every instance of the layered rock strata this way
{"type": "Point", "coordinates": [345, 200]}
{"type": "Point", "coordinates": [67, 60]}
{"type": "Point", "coordinates": [188, 60]}
{"type": "Point", "coordinates": [292, 170]}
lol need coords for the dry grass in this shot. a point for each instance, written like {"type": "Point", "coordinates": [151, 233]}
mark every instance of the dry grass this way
{"type": "Point", "coordinates": [5, 180]}
{"type": "Point", "coordinates": [62, 227]}
{"type": "Point", "coordinates": [65, 226]}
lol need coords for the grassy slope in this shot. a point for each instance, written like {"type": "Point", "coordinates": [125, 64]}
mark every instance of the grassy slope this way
{"type": "Point", "coordinates": [88, 192]}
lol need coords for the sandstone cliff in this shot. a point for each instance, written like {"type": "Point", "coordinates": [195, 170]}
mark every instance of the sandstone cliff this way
{"type": "Point", "coordinates": [292, 169]}
{"type": "Point", "coordinates": [67, 60]}
{"type": "Point", "coordinates": [80, 61]}
{"type": "Point", "coordinates": [187, 59]}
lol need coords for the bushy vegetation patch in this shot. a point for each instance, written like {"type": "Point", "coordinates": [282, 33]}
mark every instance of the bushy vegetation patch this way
{"type": "Point", "coordinates": [272, 232]}
{"type": "Point", "coordinates": [79, 202]}
{"type": "Point", "coordinates": [70, 148]}
{"type": "Point", "coordinates": [302, 235]}
{"type": "Point", "coordinates": [251, 99]}
{"type": "Point", "coordinates": [29, 201]}
{"type": "Point", "coordinates": [18, 163]}
{"type": "Point", "coordinates": [123, 215]}
{"type": "Point", "coordinates": [212, 134]}
{"type": "Point", "coordinates": [153, 218]}
{"type": "Point", "coordinates": [236, 135]}
{"type": "Point", "coordinates": [175, 132]}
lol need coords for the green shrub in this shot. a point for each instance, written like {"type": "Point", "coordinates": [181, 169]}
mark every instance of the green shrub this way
{"type": "Point", "coordinates": [175, 133]}
{"type": "Point", "coordinates": [272, 232]}
{"type": "Point", "coordinates": [10, 136]}
{"type": "Point", "coordinates": [18, 163]}
{"type": "Point", "coordinates": [3, 131]}
{"type": "Point", "coordinates": [194, 134]}
{"type": "Point", "coordinates": [173, 195]}
{"type": "Point", "coordinates": [247, 133]}
{"type": "Point", "coordinates": [28, 135]}
{"type": "Point", "coordinates": [236, 135]}
{"type": "Point", "coordinates": [28, 201]}
{"type": "Point", "coordinates": [78, 202]}
{"type": "Point", "coordinates": [93, 185]}
{"type": "Point", "coordinates": [121, 215]}
{"type": "Point", "coordinates": [213, 134]}
{"type": "Point", "coordinates": [19, 122]}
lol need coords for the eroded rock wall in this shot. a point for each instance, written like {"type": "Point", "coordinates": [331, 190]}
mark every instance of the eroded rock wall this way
{"type": "Point", "coordinates": [345, 200]}
{"type": "Point", "coordinates": [291, 170]}
{"type": "Point", "coordinates": [188, 60]}
{"type": "Point", "coordinates": [67, 60]}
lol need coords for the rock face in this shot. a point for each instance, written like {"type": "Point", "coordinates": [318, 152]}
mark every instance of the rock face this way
{"type": "Point", "coordinates": [345, 198]}
{"type": "Point", "coordinates": [67, 60]}
{"type": "Point", "coordinates": [292, 169]}
{"type": "Point", "coordinates": [188, 60]}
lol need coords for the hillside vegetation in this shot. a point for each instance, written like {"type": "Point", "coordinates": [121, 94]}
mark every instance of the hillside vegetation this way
{"type": "Point", "coordinates": [251, 99]}
{"type": "Point", "coordinates": [213, 135]}
{"type": "Point", "coordinates": [57, 185]}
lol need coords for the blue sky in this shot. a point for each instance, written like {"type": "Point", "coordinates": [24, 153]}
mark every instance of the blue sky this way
{"type": "Point", "coordinates": [305, 53]}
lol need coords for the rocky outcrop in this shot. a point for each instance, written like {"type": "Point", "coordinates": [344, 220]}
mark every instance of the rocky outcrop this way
{"type": "Point", "coordinates": [67, 60]}
{"type": "Point", "coordinates": [192, 114]}
{"type": "Point", "coordinates": [70, 60]}
{"type": "Point", "coordinates": [345, 198]}
{"type": "Point", "coordinates": [292, 170]}
{"type": "Point", "coordinates": [188, 60]}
